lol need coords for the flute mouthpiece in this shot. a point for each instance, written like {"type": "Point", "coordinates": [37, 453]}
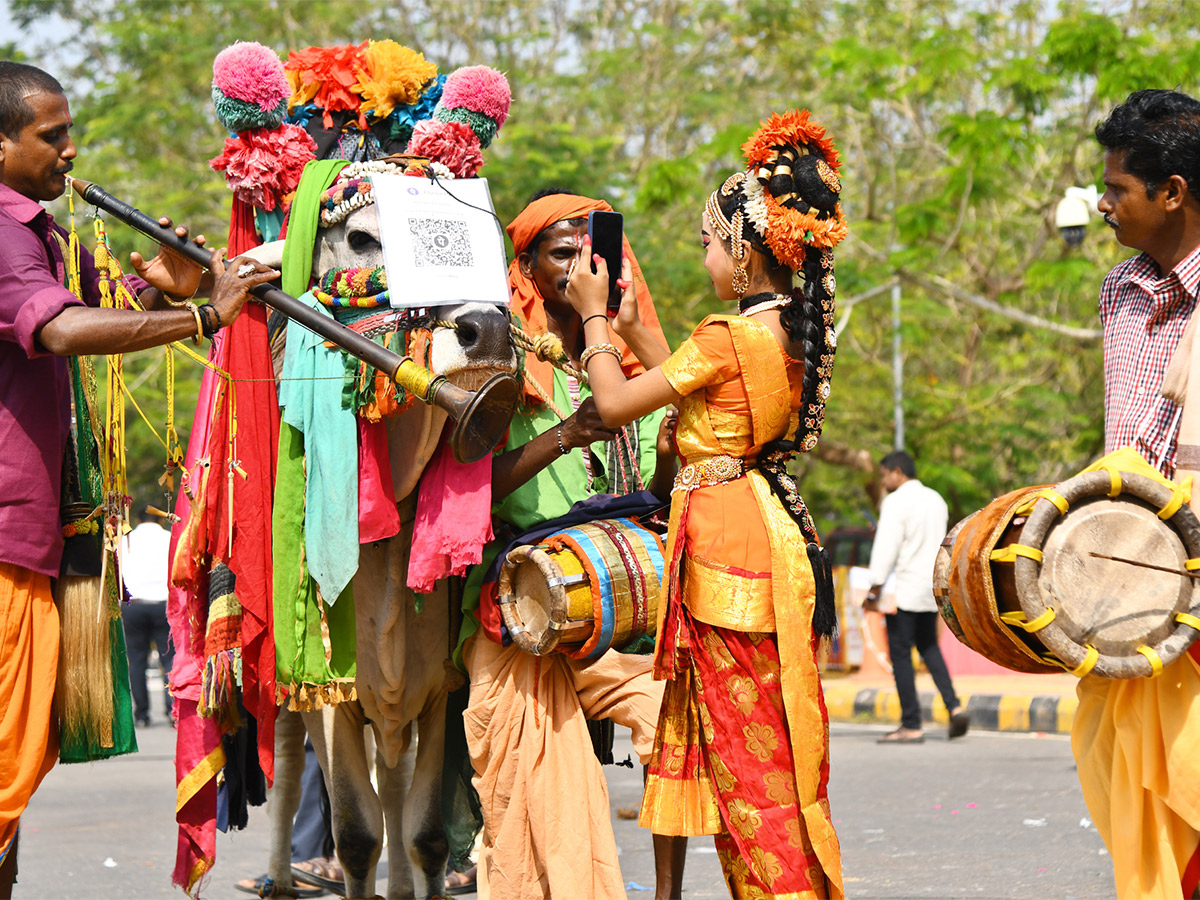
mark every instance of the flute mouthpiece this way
{"type": "Point", "coordinates": [79, 185]}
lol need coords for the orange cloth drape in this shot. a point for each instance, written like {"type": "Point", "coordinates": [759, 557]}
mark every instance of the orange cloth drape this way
{"type": "Point", "coordinates": [28, 669]}
{"type": "Point", "coordinates": [527, 301]}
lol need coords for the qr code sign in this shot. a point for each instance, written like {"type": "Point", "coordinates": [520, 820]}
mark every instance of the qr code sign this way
{"type": "Point", "coordinates": [440, 242]}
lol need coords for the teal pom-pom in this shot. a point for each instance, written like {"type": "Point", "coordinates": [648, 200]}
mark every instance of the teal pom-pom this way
{"type": "Point", "coordinates": [401, 131]}
{"type": "Point", "coordinates": [485, 129]}
{"type": "Point", "coordinates": [239, 116]}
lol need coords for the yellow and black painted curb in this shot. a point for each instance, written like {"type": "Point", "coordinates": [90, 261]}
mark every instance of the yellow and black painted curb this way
{"type": "Point", "coordinates": [1043, 713]}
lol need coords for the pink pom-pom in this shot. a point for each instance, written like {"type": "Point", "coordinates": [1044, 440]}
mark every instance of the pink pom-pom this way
{"type": "Point", "coordinates": [263, 166]}
{"type": "Point", "coordinates": [453, 144]}
{"type": "Point", "coordinates": [252, 73]}
{"type": "Point", "coordinates": [478, 88]}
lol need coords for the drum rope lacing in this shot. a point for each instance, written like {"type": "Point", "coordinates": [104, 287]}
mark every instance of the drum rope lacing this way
{"type": "Point", "coordinates": [1179, 495]}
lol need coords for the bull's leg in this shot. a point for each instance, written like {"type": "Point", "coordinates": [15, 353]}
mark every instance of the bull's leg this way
{"type": "Point", "coordinates": [424, 828]}
{"type": "Point", "coordinates": [285, 794]}
{"type": "Point", "coordinates": [393, 785]}
{"type": "Point", "coordinates": [337, 737]}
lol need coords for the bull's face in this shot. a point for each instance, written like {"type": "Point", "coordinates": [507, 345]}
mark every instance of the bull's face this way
{"type": "Point", "coordinates": [470, 342]}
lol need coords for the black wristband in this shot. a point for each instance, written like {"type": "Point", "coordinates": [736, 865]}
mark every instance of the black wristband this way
{"type": "Point", "coordinates": [210, 319]}
{"type": "Point", "coordinates": [562, 448]}
{"type": "Point", "coordinates": [592, 316]}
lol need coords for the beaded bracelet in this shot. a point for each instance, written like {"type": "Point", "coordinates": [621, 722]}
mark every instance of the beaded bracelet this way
{"type": "Point", "coordinates": [598, 348]}
{"type": "Point", "coordinates": [562, 448]}
{"type": "Point", "coordinates": [195, 311]}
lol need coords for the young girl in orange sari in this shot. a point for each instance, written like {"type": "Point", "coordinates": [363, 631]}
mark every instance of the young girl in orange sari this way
{"type": "Point", "coordinates": [742, 747]}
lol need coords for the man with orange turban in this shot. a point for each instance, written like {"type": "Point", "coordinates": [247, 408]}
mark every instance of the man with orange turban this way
{"type": "Point", "coordinates": [546, 824]}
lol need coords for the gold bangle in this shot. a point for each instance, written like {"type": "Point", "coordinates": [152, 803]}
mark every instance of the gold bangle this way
{"type": "Point", "coordinates": [195, 311]}
{"type": "Point", "coordinates": [598, 348]}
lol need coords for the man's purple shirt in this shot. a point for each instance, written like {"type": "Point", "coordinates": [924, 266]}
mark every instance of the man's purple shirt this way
{"type": "Point", "coordinates": [35, 386]}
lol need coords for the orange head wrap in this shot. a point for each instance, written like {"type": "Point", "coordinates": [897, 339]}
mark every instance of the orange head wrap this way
{"type": "Point", "coordinates": [527, 301]}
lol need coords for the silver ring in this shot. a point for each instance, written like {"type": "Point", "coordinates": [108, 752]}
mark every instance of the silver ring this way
{"type": "Point", "coordinates": [245, 269]}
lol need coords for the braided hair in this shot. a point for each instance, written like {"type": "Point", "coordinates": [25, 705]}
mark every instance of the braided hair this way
{"type": "Point", "coordinates": [789, 196]}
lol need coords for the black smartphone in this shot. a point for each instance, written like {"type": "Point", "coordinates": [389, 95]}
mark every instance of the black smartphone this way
{"type": "Point", "coordinates": [605, 228]}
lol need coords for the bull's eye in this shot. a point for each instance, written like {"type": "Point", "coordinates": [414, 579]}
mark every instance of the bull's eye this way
{"type": "Point", "coordinates": [363, 242]}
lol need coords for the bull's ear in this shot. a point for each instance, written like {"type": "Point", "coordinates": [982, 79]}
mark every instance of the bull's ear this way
{"type": "Point", "coordinates": [268, 254]}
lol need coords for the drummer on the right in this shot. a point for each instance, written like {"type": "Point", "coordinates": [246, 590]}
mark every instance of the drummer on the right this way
{"type": "Point", "coordinates": [1137, 741]}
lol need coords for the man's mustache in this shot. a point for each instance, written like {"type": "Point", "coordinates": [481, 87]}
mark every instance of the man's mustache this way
{"type": "Point", "coordinates": [66, 169]}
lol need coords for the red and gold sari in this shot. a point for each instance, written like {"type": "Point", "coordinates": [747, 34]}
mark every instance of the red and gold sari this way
{"type": "Point", "coordinates": [742, 747]}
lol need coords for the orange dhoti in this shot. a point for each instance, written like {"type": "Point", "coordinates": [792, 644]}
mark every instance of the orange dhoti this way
{"type": "Point", "coordinates": [1135, 743]}
{"type": "Point", "coordinates": [28, 668]}
{"type": "Point", "coordinates": [547, 830]}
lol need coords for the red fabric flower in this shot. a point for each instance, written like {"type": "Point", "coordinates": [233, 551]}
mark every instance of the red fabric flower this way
{"type": "Point", "coordinates": [453, 144]}
{"type": "Point", "coordinates": [263, 166]}
{"type": "Point", "coordinates": [326, 76]}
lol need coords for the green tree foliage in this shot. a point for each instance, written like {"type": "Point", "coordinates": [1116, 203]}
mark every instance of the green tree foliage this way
{"type": "Point", "coordinates": [959, 124]}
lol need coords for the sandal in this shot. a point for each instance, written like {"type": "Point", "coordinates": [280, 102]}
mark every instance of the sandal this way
{"type": "Point", "coordinates": [323, 870]}
{"type": "Point", "coordinates": [899, 737]}
{"type": "Point", "coordinates": [959, 723]}
{"type": "Point", "coordinates": [462, 882]}
{"type": "Point", "coordinates": [265, 886]}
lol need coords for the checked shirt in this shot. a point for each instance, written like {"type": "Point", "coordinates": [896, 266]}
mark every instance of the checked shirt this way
{"type": "Point", "coordinates": [1144, 316]}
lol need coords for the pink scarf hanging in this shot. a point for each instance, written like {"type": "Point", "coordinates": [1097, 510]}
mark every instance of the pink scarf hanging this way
{"type": "Point", "coordinates": [454, 518]}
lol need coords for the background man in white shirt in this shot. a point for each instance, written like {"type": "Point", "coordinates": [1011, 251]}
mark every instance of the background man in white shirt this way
{"type": "Point", "coordinates": [144, 571]}
{"type": "Point", "coordinates": [912, 524]}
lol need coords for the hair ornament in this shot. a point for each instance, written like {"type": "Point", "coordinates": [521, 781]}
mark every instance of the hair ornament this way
{"type": "Point", "coordinates": [755, 208]}
{"type": "Point", "coordinates": [792, 157]}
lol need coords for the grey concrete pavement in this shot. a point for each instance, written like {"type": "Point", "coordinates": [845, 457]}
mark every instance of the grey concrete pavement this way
{"type": "Point", "coordinates": [989, 816]}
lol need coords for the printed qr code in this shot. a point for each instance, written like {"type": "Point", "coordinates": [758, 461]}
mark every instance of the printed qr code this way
{"type": "Point", "coordinates": [440, 242]}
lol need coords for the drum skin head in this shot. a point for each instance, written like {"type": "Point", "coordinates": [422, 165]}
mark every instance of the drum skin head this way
{"type": "Point", "coordinates": [1115, 604]}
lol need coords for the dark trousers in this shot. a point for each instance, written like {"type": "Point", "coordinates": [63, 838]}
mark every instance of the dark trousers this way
{"type": "Point", "coordinates": [145, 623]}
{"type": "Point", "coordinates": [312, 834]}
{"type": "Point", "coordinates": [906, 630]}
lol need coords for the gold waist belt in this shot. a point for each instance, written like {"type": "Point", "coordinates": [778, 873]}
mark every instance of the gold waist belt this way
{"type": "Point", "coordinates": [710, 470]}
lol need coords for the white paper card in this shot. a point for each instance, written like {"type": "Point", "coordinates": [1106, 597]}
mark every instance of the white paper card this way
{"type": "Point", "coordinates": [442, 243]}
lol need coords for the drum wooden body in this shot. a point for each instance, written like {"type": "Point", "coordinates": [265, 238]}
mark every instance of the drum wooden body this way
{"type": "Point", "coordinates": [583, 590]}
{"type": "Point", "coordinates": [1094, 575]}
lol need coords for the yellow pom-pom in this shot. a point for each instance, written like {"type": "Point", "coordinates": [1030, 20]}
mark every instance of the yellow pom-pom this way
{"type": "Point", "coordinates": [393, 76]}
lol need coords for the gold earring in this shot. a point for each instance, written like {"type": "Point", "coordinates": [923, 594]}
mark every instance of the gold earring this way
{"type": "Point", "coordinates": [741, 281]}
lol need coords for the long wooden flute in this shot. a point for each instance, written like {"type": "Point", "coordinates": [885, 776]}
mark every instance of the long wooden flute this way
{"type": "Point", "coordinates": [481, 417]}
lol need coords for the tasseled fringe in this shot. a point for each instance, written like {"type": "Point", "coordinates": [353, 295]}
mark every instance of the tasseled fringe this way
{"type": "Point", "coordinates": [219, 686]}
{"type": "Point", "coordinates": [307, 697]}
{"type": "Point", "coordinates": [825, 609]}
{"type": "Point", "coordinates": [83, 692]}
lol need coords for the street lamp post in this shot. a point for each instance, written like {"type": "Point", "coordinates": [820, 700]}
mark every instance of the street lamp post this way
{"type": "Point", "coordinates": [897, 368]}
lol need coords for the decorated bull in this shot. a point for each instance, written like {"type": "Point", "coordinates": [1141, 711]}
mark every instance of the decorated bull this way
{"type": "Point", "coordinates": [363, 468]}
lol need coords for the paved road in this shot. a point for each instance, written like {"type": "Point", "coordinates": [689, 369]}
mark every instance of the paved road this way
{"type": "Point", "coordinates": [990, 816]}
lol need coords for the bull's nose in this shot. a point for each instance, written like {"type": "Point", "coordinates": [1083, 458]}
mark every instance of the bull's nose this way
{"type": "Point", "coordinates": [480, 331]}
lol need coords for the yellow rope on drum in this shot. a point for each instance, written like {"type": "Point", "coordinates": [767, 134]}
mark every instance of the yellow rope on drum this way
{"type": "Point", "coordinates": [1017, 619]}
{"type": "Point", "coordinates": [1173, 504]}
{"type": "Point", "coordinates": [1089, 662]}
{"type": "Point", "coordinates": [1059, 501]}
{"type": "Point", "coordinates": [1156, 663]}
{"type": "Point", "coordinates": [1188, 619]}
{"type": "Point", "coordinates": [1012, 551]}
{"type": "Point", "coordinates": [1114, 475]}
